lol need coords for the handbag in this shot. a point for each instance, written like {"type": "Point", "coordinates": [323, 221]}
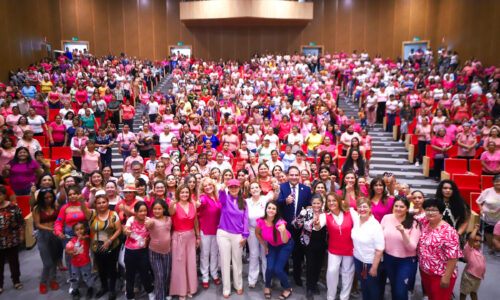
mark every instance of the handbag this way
{"type": "Point", "coordinates": [125, 147]}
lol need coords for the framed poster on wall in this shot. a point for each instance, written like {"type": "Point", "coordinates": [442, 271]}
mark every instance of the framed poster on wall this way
{"type": "Point", "coordinates": [313, 50]}
{"type": "Point", "coordinates": [185, 50]}
{"type": "Point", "coordinates": [415, 45]}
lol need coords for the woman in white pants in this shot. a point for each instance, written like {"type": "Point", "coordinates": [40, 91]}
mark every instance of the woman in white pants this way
{"type": "Point", "coordinates": [256, 209]}
{"type": "Point", "coordinates": [339, 223]}
{"type": "Point", "coordinates": [209, 216]}
{"type": "Point", "coordinates": [232, 234]}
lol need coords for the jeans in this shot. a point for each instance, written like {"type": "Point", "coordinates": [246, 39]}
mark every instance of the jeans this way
{"type": "Point", "coordinates": [106, 159]}
{"type": "Point", "coordinates": [137, 261]}
{"type": "Point", "coordinates": [84, 273]}
{"type": "Point", "coordinates": [371, 287]}
{"type": "Point", "coordinates": [125, 154]}
{"type": "Point", "coordinates": [390, 121]}
{"type": "Point", "coordinates": [69, 235]}
{"type": "Point", "coordinates": [276, 259]}
{"type": "Point", "coordinates": [400, 272]}
{"type": "Point", "coordinates": [312, 153]}
{"type": "Point", "coordinates": [50, 248]}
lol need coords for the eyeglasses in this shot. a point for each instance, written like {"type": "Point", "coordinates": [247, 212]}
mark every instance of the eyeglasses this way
{"type": "Point", "coordinates": [431, 211]}
{"type": "Point", "coordinates": [136, 170]}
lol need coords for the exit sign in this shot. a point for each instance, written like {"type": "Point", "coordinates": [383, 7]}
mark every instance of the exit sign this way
{"type": "Point", "coordinates": [74, 39]}
{"type": "Point", "coordinates": [180, 43]}
{"type": "Point", "coordinates": [312, 44]}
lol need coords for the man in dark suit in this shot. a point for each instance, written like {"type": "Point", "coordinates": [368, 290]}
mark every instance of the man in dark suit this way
{"type": "Point", "coordinates": [293, 197]}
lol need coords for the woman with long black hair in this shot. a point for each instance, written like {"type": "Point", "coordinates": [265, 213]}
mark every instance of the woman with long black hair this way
{"type": "Point", "coordinates": [457, 211]}
{"type": "Point", "coordinates": [273, 235]}
{"type": "Point", "coordinates": [354, 162]}
{"type": "Point", "coordinates": [401, 233]}
{"type": "Point", "coordinates": [45, 214]}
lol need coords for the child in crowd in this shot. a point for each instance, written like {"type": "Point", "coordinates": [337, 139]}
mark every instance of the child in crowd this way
{"type": "Point", "coordinates": [475, 268]}
{"type": "Point", "coordinates": [78, 248]}
{"type": "Point", "coordinates": [362, 117]}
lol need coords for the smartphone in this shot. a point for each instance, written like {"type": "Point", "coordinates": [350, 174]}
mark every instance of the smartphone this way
{"type": "Point", "coordinates": [57, 161]}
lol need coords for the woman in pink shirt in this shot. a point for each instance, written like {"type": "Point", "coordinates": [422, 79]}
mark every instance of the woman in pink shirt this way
{"type": "Point", "coordinates": [209, 215]}
{"type": "Point", "coordinates": [401, 233]}
{"type": "Point", "coordinates": [175, 127]}
{"type": "Point", "coordinates": [381, 202]}
{"type": "Point", "coordinates": [185, 240]}
{"type": "Point", "coordinates": [128, 113]}
{"type": "Point", "coordinates": [40, 105]}
{"type": "Point", "coordinates": [91, 159]}
{"type": "Point", "coordinates": [490, 160]}
{"type": "Point", "coordinates": [81, 96]}
{"type": "Point", "coordinates": [7, 151]}
{"type": "Point", "coordinates": [440, 144]}
{"type": "Point", "coordinates": [272, 234]}
{"type": "Point", "coordinates": [423, 131]}
{"type": "Point", "coordinates": [466, 142]}
{"type": "Point", "coordinates": [58, 136]}
{"type": "Point", "coordinates": [134, 156]}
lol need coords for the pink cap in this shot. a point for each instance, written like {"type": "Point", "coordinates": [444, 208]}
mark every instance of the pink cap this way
{"type": "Point", "coordinates": [233, 182]}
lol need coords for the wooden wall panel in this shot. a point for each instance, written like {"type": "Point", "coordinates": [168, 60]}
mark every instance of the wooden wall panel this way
{"type": "Point", "coordinates": [146, 28]}
{"type": "Point", "coordinates": [116, 26]}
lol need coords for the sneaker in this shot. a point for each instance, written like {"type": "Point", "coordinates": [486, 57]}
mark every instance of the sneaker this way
{"type": "Point", "coordinates": [43, 289]}
{"type": "Point", "coordinates": [417, 164]}
{"type": "Point", "coordinates": [151, 296]}
{"type": "Point", "coordinates": [54, 285]}
{"type": "Point", "coordinates": [75, 294]}
{"type": "Point", "coordinates": [425, 298]}
{"type": "Point", "coordinates": [217, 281]}
{"type": "Point", "coordinates": [205, 285]}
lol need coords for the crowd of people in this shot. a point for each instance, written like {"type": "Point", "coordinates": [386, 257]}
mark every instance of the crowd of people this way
{"type": "Point", "coordinates": [248, 162]}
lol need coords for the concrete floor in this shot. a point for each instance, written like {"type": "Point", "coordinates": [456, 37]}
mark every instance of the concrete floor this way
{"type": "Point", "coordinates": [31, 268]}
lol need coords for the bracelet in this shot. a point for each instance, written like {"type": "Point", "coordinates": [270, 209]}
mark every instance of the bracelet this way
{"type": "Point", "coordinates": [197, 237]}
{"type": "Point", "coordinates": [109, 241]}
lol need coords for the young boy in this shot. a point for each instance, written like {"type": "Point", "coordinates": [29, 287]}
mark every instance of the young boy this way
{"type": "Point", "coordinates": [151, 163]}
{"type": "Point", "coordinates": [362, 117]}
{"type": "Point", "coordinates": [475, 268]}
{"type": "Point", "coordinates": [78, 248]}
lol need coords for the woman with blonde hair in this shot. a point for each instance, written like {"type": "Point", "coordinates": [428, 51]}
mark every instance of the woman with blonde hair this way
{"type": "Point", "coordinates": [209, 216]}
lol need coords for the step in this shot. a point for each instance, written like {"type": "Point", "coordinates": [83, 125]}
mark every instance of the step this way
{"type": "Point", "coordinates": [395, 167]}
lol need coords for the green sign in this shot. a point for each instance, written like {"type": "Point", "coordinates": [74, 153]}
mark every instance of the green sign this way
{"type": "Point", "coordinates": [416, 39]}
{"type": "Point", "coordinates": [312, 44]}
{"type": "Point", "coordinates": [180, 43]}
{"type": "Point", "coordinates": [74, 38]}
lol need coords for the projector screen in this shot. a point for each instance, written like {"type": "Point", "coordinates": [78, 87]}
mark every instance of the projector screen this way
{"type": "Point", "coordinates": [180, 50]}
{"type": "Point", "coordinates": [78, 45]}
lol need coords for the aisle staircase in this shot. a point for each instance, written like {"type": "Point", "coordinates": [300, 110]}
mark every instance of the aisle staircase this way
{"type": "Point", "coordinates": [117, 160]}
{"type": "Point", "coordinates": [391, 156]}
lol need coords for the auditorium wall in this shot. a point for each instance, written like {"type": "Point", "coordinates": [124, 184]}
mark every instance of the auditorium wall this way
{"type": "Point", "coordinates": [146, 28]}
